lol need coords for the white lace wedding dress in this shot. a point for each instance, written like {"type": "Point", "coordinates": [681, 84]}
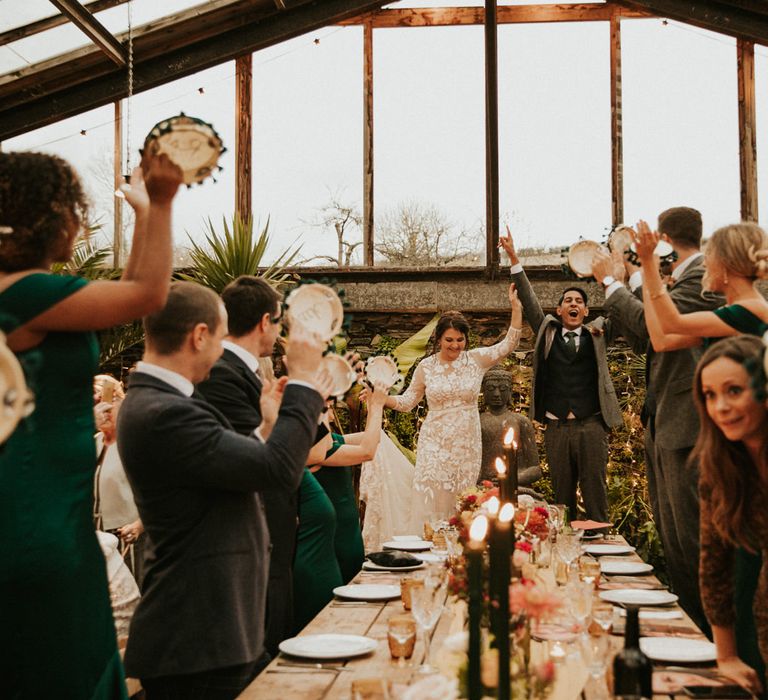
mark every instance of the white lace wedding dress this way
{"type": "Point", "coordinates": [449, 449]}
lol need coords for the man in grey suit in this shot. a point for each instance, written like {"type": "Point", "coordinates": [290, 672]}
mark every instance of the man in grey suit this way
{"type": "Point", "coordinates": [572, 392]}
{"type": "Point", "coordinates": [198, 630]}
{"type": "Point", "coordinates": [669, 416]}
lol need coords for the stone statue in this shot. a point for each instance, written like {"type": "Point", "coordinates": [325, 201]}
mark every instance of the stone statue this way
{"type": "Point", "coordinates": [494, 420]}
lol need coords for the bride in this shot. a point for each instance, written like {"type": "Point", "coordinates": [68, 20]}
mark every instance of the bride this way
{"type": "Point", "coordinates": [449, 446]}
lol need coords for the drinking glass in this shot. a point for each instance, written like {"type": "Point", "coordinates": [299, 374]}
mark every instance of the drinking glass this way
{"type": "Point", "coordinates": [595, 652]}
{"type": "Point", "coordinates": [426, 606]}
{"type": "Point", "coordinates": [569, 547]}
{"type": "Point", "coordinates": [602, 614]}
{"type": "Point", "coordinates": [555, 518]}
{"type": "Point", "coordinates": [579, 595]}
{"type": "Point", "coordinates": [589, 568]}
{"type": "Point", "coordinates": [401, 636]}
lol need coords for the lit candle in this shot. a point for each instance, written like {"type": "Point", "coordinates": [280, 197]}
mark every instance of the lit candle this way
{"type": "Point", "coordinates": [510, 453]}
{"type": "Point", "coordinates": [475, 549]}
{"type": "Point", "coordinates": [495, 582]}
{"type": "Point", "coordinates": [502, 550]}
{"type": "Point", "coordinates": [503, 474]}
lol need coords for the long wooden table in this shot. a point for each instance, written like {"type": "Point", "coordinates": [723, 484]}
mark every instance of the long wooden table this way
{"type": "Point", "coordinates": [282, 682]}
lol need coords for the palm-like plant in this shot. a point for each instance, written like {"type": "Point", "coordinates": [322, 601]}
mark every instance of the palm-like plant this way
{"type": "Point", "coordinates": [234, 252]}
{"type": "Point", "coordinates": [88, 260]}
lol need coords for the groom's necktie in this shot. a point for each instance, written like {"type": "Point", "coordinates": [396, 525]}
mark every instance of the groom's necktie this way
{"type": "Point", "coordinates": [570, 341]}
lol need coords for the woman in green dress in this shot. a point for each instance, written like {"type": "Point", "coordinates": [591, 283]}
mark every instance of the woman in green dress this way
{"type": "Point", "coordinates": [56, 627]}
{"type": "Point", "coordinates": [335, 476]}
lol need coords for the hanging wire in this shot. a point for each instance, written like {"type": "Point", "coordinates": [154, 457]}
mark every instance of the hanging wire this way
{"type": "Point", "coordinates": [130, 91]}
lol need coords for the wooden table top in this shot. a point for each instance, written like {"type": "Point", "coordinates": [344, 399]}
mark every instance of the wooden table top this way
{"type": "Point", "coordinates": [282, 682]}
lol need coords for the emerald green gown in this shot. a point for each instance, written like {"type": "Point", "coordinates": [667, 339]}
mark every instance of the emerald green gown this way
{"type": "Point", "coordinates": [348, 541]}
{"type": "Point", "coordinates": [315, 569]}
{"type": "Point", "coordinates": [747, 565]}
{"type": "Point", "coordinates": [56, 628]}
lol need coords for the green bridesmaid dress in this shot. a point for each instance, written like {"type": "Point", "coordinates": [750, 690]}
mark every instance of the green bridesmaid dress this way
{"type": "Point", "coordinates": [315, 569]}
{"type": "Point", "coordinates": [58, 635]}
{"type": "Point", "coordinates": [348, 542]}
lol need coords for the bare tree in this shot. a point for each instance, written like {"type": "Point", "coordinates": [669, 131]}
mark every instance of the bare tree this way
{"type": "Point", "coordinates": [415, 234]}
{"type": "Point", "coordinates": [344, 219]}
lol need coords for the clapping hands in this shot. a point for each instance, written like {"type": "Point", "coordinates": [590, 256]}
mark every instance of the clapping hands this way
{"type": "Point", "coordinates": [645, 241]}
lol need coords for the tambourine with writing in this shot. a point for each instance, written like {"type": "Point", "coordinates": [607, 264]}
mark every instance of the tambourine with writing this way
{"type": "Point", "coordinates": [190, 143]}
{"type": "Point", "coordinates": [315, 308]}
{"type": "Point", "coordinates": [17, 400]}
{"type": "Point", "coordinates": [342, 374]}
{"type": "Point", "coordinates": [382, 370]}
{"type": "Point", "coordinates": [580, 256]}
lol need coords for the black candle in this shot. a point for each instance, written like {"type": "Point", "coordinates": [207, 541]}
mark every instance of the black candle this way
{"type": "Point", "coordinates": [475, 550]}
{"type": "Point", "coordinates": [501, 550]}
{"type": "Point", "coordinates": [510, 455]}
{"type": "Point", "coordinates": [505, 495]}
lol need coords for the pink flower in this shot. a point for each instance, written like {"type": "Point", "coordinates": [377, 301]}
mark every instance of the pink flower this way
{"type": "Point", "coordinates": [532, 600]}
{"type": "Point", "coordinates": [545, 672]}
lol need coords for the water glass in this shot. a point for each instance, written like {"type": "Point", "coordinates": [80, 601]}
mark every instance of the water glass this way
{"type": "Point", "coordinates": [579, 595]}
{"type": "Point", "coordinates": [427, 605]}
{"type": "Point", "coordinates": [602, 614]}
{"type": "Point", "coordinates": [595, 653]}
{"type": "Point", "coordinates": [589, 569]}
{"type": "Point", "coordinates": [401, 636]}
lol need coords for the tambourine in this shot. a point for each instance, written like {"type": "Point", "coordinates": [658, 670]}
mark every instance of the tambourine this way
{"type": "Point", "coordinates": [342, 374]}
{"type": "Point", "coordinates": [190, 143]}
{"type": "Point", "coordinates": [382, 370]}
{"type": "Point", "coordinates": [620, 239]}
{"type": "Point", "coordinates": [316, 308]}
{"type": "Point", "coordinates": [664, 250]}
{"type": "Point", "coordinates": [580, 256]}
{"type": "Point", "coordinates": [17, 400]}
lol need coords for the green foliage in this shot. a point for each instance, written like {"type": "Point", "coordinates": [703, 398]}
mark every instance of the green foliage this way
{"type": "Point", "coordinates": [88, 260]}
{"type": "Point", "coordinates": [120, 347]}
{"type": "Point", "coordinates": [234, 252]}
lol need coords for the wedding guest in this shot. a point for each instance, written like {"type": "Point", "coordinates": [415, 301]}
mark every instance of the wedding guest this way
{"type": "Point", "coordinates": [736, 256]}
{"type": "Point", "coordinates": [732, 453]}
{"type": "Point", "coordinates": [56, 627]}
{"type": "Point", "coordinates": [669, 416]}
{"type": "Point", "coordinates": [450, 448]}
{"type": "Point", "coordinates": [199, 628]}
{"type": "Point", "coordinates": [573, 394]}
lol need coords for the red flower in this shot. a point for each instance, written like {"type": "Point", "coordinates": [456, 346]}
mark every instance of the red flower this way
{"type": "Point", "coordinates": [524, 546]}
{"type": "Point", "coordinates": [471, 498]}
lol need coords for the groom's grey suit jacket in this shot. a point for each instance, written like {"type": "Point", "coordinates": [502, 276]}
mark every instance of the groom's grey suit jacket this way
{"type": "Point", "coordinates": [195, 482]}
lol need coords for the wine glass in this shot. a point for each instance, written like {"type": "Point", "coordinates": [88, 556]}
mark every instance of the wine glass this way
{"type": "Point", "coordinates": [426, 606]}
{"type": "Point", "coordinates": [602, 614]}
{"type": "Point", "coordinates": [579, 595]}
{"type": "Point", "coordinates": [595, 651]}
{"type": "Point", "coordinates": [569, 548]}
{"type": "Point", "coordinates": [555, 519]}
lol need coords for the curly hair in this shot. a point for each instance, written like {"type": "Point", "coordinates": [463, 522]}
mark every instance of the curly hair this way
{"type": "Point", "coordinates": [41, 200]}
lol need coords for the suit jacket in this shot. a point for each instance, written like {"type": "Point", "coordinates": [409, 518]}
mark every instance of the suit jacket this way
{"type": "Point", "coordinates": [195, 482]}
{"type": "Point", "coordinates": [670, 374]}
{"type": "Point", "coordinates": [545, 327]}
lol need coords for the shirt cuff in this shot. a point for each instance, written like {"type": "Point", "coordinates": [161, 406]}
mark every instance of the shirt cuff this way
{"type": "Point", "coordinates": [612, 287]}
{"type": "Point", "coordinates": [636, 280]}
{"type": "Point", "coordinates": [257, 434]}
{"type": "Point", "coordinates": [516, 269]}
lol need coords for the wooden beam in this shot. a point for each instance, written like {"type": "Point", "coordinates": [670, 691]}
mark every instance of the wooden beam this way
{"type": "Point", "coordinates": [243, 135]}
{"type": "Point", "coordinates": [50, 96]}
{"type": "Point", "coordinates": [617, 134]}
{"type": "Point", "coordinates": [708, 14]}
{"type": "Point", "coordinates": [368, 235]}
{"type": "Point", "coordinates": [94, 30]}
{"type": "Point", "coordinates": [42, 25]}
{"type": "Point", "coordinates": [117, 234]}
{"type": "Point", "coordinates": [506, 14]}
{"type": "Point", "coordinates": [747, 128]}
{"type": "Point", "coordinates": [491, 140]}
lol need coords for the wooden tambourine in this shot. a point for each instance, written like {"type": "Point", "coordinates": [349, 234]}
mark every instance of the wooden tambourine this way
{"type": "Point", "coordinates": [664, 250]}
{"type": "Point", "coordinates": [190, 143]}
{"type": "Point", "coordinates": [315, 308]}
{"type": "Point", "coordinates": [580, 256]}
{"type": "Point", "coordinates": [17, 401]}
{"type": "Point", "coordinates": [342, 374]}
{"type": "Point", "coordinates": [382, 370]}
{"type": "Point", "coordinates": [620, 239]}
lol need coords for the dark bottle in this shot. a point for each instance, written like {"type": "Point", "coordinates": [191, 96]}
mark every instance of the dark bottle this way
{"type": "Point", "coordinates": [632, 669]}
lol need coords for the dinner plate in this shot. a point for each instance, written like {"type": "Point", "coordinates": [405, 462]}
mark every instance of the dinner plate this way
{"type": "Point", "coordinates": [634, 596]}
{"type": "Point", "coordinates": [370, 566]}
{"type": "Point", "coordinates": [605, 549]}
{"type": "Point", "coordinates": [678, 649]}
{"type": "Point", "coordinates": [408, 545]}
{"type": "Point", "coordinates": [367, 591]}
{"type": "Point", "coordinates": [328, 646]}
{"type": "Point", "coordinates": [612, 566]}
{"type": "Point", "coordinates": [430, 557]}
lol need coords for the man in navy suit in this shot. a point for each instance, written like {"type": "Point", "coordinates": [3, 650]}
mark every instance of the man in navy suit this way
{"type": "Point", "coordinates": [234, 387]}
{"type": "Point", "coordinates": [199, 628]}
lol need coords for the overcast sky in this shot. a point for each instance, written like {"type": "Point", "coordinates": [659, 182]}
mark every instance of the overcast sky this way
{"type": "Point", "coordinates": [680, 125]}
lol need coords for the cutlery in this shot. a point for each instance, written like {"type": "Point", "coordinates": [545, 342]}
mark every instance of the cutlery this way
{"type": "Point", "coordinates": [353, 603]}
{"type": "Point", "coordinates": [301, 670]}
{"type": "Point", "coordinates": [316, 666]}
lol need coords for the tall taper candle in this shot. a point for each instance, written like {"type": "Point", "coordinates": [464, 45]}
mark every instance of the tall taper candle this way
{"type": "Point", "coordinates": [501, 549]}
{"type": "Point", "coordinates": [475, 549]}
{"type": "Point", "coordinates": [495, 583]}
{"type": "Point", "coordinates": [505, 495]}
{"type": "Point", "coordinates": [510, 454]}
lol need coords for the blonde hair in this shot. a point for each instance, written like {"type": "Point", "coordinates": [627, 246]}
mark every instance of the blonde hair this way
{"type": "Point", "coordinates": [100, 380]}
{"type": "Point", "coordinates": [742, 249]}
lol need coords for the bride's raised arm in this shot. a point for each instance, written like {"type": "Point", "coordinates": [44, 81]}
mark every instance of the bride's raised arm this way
{"type": "Point", "coordinates": [409, 398]}
{"type": "Point", "coordinates": [488, 357]}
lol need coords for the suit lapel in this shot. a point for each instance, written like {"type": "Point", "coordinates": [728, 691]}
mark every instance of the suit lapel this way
{"type": "Point", "coordinates": [235, 361]}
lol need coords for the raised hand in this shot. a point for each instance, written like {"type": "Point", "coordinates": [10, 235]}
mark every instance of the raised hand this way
{"type": "Point", "coordinates": [514, 300]}
{"type": "Point", "coordinates": [645, 241]}
{"type": "Point", "coordinates": [162, 178]}
{"type": "Point", "coordinates": [604, 265]}
{"type": "Point", "coordinates": [508, 245]}
{"type": "Point", "coordinates": [269, 403]}
{"type": "Point", "coordinates": [136, 193]}
{"type": "Point", "coordinates": [303, 355]}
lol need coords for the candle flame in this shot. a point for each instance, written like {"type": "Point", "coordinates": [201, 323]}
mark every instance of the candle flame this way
{"type": "Point", "coordinates": [501, 467]}
{"type": "Point", "coordinates": [509, 437]}
{"type": "Point", "coordinates": [492, 505]}
{"type": "Point", "coordinates": [507, 513]}
{"type": "Point", "coordinates": [478, 529]}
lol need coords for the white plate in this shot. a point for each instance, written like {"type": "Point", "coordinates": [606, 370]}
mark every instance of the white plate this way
{"type": "Point", "coordinates": [408, 545]}
{"type": "Point", "coordinates": [370, 566]}
{"type": "Point", "coordinates": [429, 557]}
{"type": "Point", "coordinates": [611, 566]}
{"type": "Point", "coordinates": [678, 649]}
{"type": "Point", "coordinates": [634, 596]}
{"type": "Point", "coordinates": [328, 646]}
{"type": "Point", "coordinates": [367, 591]}
{"type": "Point", "coordinates": [605, 549]}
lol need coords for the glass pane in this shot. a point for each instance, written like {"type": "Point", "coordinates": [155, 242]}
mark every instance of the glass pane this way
{"type": "Point", "coordinates": [681, 135]}
{"type": "Point", "coordinates": [429, 146]}
{"type": "Point", "coordinates": [555, 160]}
{"type": "Point", "coordinates": [761, 96]}
{"type": "Point", "coordinates": [307, 142]}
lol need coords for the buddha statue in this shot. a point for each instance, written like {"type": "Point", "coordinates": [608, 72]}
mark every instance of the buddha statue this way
{"type": "Point", "coordinates": [495, 419]}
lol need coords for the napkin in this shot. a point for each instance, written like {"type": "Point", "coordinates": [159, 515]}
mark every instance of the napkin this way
{"type": "Point", "coordinates": [589, 525]}
{"type": "Point", "coordinates": [655, 614]}
{"type": "Point", "coordinates": [393, 558]}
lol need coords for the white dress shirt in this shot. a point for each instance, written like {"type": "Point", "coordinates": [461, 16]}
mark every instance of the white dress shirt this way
{"type": "Point", "coordinates": [168, 376]}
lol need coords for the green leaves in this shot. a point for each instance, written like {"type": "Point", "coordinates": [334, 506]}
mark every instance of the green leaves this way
{"type": "Point", "coordinates": [234, 252]}
{"type": "Point", "coordinates": [414, 348]}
